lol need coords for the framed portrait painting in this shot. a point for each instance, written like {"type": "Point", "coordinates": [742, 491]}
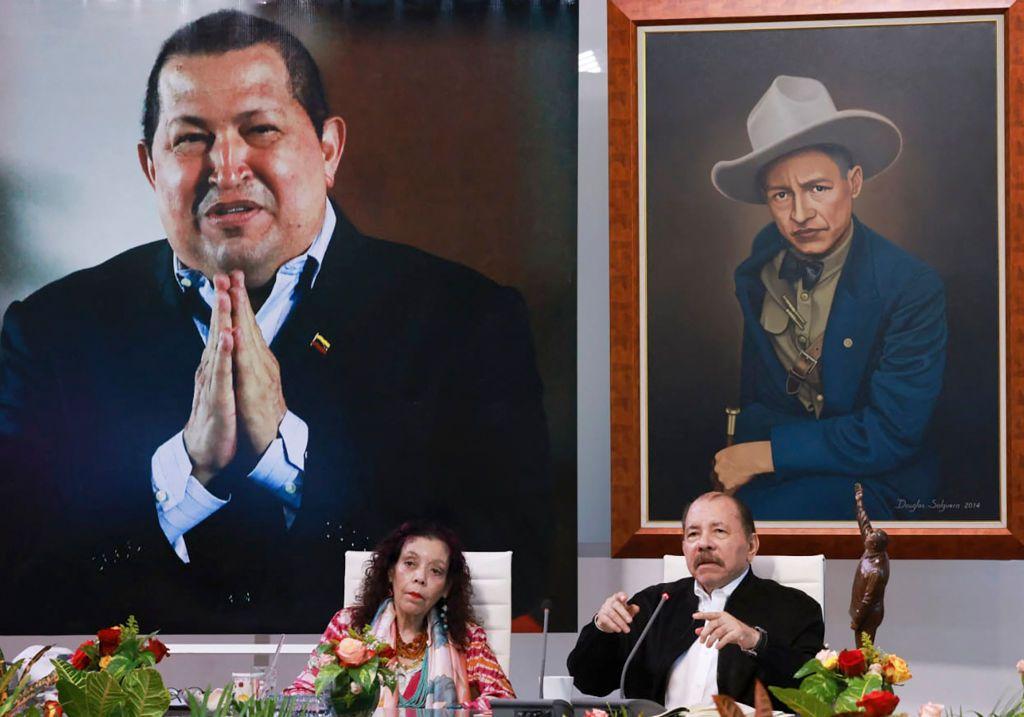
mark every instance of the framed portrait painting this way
{"type": "Point", "coordinates": [815, 220]}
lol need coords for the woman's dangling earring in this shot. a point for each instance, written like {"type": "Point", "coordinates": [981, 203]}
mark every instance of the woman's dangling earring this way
{"type": "Point", "coordinates": [443, 607]}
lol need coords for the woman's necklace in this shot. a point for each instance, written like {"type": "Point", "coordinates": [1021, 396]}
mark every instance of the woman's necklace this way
{"type": "Point", "coordinates": [413, 650]}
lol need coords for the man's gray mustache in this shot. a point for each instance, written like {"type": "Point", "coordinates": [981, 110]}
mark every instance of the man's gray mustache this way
{"type": "Point", "coordinates": [706, 558]}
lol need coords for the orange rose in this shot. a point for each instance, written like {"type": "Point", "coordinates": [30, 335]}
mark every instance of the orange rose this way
{"type": "Point", "coordinates": [895, 670]}
{"type": "Point", "coordinates": [352, 652]}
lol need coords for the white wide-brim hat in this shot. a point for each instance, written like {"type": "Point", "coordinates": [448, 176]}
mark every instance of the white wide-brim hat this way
{"type": "Point", "coordinates": [798, 112]}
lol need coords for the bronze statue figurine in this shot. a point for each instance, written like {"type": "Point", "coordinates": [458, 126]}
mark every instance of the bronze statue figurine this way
{"type": "Point", "coordinates": [867, 601]}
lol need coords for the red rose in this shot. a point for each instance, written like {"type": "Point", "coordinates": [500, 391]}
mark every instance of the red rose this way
{"type": "Point", "coordinates": [158, 648]}
{"type": "Point", "coordinates": [387, 652]}
{"type": "Point", "coordinates": [52, 708]}
{"type": "Point", "coordinates": [80, 660]}
{"type": "Point", "coordinates": [878, 703]}
{"type": "Point", "coordinates": [110, 638]}
{"type": "Point", "coordinates": [852, 663]}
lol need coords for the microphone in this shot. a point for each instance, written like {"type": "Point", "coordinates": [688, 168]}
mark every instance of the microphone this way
{"type": "Point", "coordinates": [639, 641]}
{"type": "Point", "coordinates": [546, 607]}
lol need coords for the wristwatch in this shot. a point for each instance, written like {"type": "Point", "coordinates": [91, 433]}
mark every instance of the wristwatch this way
{"type": "Point", "coordinates": [761, 642]}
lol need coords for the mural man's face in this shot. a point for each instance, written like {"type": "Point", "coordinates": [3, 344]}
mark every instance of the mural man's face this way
{"type": "Point", "coordinates": [810, 200]}
{"type": "Point", "coordinates": [240, 175]}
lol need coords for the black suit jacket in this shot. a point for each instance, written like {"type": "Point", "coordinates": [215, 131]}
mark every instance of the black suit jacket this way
{"type": "Point", "coordinates": [428, 403]}
{"type": "Point", "coordinates": [791, 618]}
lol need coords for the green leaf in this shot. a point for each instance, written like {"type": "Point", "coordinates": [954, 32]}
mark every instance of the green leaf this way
{"type": "Point", "coordinates": [119, 666]}
{"type": "Point", "coordinates": [802, 703]}
{"type": "Point", "coordinates": [325, 678]}
{"type": "Point", "coordinates": [104, 696]}
{"type": "Point", "coordinates": [71, 689]}
{"type": "Point", "coordinates": [811, 667]}
{"type": "Point", "coordinates": [12, 670]}
{"type": "Point", "coordinates": [825, 687]}
{"type": "Point", "coordinates": [367, 675]}
{"type": "Point", "coordinates": [145, 693]}
{"type": "Point", "coordinates": [227, 697]}
{"type": "Point", "coordinates": [67, 672]}
{"type": "Point", "coordinates": [857, 687]}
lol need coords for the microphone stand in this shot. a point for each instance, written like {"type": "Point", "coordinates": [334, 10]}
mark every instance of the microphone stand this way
{"type": "Point", "coordinates": [636, 646]}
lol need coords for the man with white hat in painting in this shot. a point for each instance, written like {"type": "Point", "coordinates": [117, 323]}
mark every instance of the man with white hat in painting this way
{"type": "Point", "coordinates": [844, 341]}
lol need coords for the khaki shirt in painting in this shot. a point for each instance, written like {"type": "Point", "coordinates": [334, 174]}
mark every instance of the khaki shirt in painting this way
{"type": "Point", "coordinates": [786, 335]}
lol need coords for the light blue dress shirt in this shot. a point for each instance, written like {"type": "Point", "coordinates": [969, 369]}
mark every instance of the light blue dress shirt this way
{"type": "Point", "coordinates": [182, 502]}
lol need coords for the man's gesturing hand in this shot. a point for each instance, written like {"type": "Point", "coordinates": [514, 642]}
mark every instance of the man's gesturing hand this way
{"type": "Point", "coordinates": [615, 614]}
{"type": "Point", "coordinates": [721, 629]}
{"type": "Point", "coordinates": [258, 396]}
{"type": "Point", "coordinates": [211, 437]}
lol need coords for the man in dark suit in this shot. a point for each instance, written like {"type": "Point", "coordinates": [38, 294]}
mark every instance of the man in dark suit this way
{"type": "Point", "coordinates": [718, 630]}
{"type": "Point", "coordinates": [202, 426]}
{"type": "Point", "coordinates": [844, 340]}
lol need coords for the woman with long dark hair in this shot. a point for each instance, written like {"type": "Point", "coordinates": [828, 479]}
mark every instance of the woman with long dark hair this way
{"type": "Point", "coordinates": [416, 597]}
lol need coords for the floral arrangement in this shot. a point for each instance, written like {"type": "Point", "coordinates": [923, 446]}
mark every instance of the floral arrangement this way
{"type": "Point", "coordinates": [353, 669]}
{"type": "Point", "coordinates": [17, 697]}
{"type": "Point", "coordinates": [113, 675]}
{"type": "Point", "coordinates": [860, 680]}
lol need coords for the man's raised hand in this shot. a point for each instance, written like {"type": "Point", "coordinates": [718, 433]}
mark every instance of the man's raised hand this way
{"type": "Point", "coordinates": [259, 398]}
{"type": "Point", "coordinates": [616, 614]}
{"type": "Point", "coordinates": [211, 436]}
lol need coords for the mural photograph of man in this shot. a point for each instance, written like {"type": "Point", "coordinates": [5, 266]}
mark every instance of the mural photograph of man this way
{"type": "Point", "coordinates": [844, 332]}
{"type": "Point", "coordinates": [199, 427]}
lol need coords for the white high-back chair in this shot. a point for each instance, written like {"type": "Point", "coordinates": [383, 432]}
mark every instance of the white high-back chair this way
{"type": "Point", "coordinates": [803, 572]}
{"type": "Point", "coordinates": [491, 577]}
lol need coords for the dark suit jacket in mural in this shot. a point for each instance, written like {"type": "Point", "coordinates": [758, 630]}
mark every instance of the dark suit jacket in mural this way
{"type": "Point", "coordinates": [428, 403]}
{"type": "Point", "coordinates": [791, 618]}
{"type": "Point", "coordinates": [882, 366]}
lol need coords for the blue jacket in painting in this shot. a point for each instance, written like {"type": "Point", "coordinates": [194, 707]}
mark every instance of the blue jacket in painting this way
{"type": "Point", "coordinates": [882, 366]}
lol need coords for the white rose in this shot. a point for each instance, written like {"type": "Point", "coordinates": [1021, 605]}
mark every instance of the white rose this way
{"type": "Point", "coordinates": [931, 709]}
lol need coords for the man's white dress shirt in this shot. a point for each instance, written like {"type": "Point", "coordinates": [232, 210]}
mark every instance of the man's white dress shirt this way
{"type": "Point", "coordinates": [694, 676]}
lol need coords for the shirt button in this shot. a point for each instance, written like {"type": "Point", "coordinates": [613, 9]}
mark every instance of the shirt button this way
{"type": "Point", "coordinates": [802, 340]}
{"type": "Point", "coordinates": [819, 398]}
{"type": "Point", "coordinates": [290, 488]}
{"type": "Point", "coordinates": [804, 296]}
{"type": "Point", "coordinates": [161, 496]}
{"type": "Point", "coordinates": [848, 343]}
{"type": "Point", "coordinates": [186, 282]}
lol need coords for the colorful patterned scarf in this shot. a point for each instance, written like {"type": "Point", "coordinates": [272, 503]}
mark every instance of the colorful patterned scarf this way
{"type": "Point", "coordinates": [447, 681]}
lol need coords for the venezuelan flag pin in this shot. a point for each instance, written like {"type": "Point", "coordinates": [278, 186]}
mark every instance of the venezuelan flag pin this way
{"type": "Point", "coordinates": [321, 344]}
